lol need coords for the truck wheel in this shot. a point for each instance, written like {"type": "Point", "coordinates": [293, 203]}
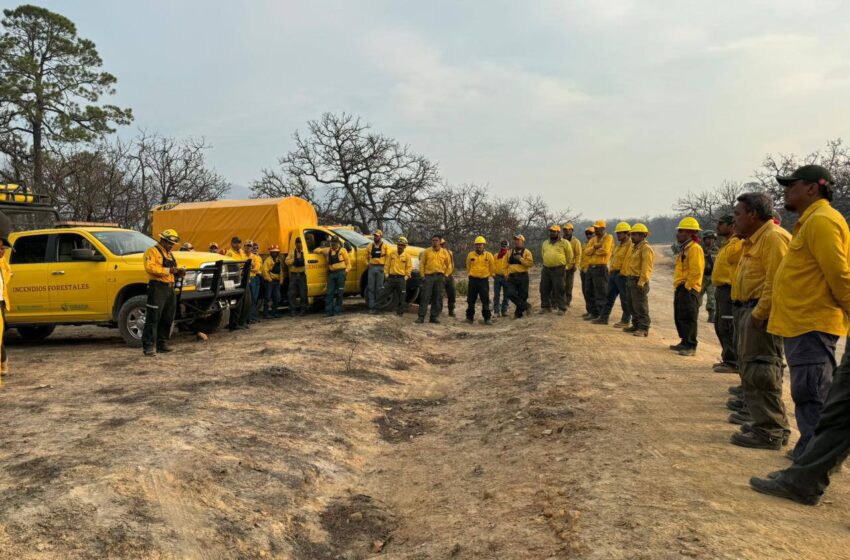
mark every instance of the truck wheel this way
{"type": "Point", "coordinates": [36, 333]}
{"type": "Point", "coordinates": [131, 320]}
{"type": "Point", "coordinates": [208, 325]}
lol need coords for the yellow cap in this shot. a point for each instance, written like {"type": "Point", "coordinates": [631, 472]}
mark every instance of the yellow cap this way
{"type": "Point", "coordinates": [556, 227]}
{"type": "Point", "coordinates": [640, 228]}
{"type": "Point", "coordinates": [480, 239]}
{"type": "Point", "coordinates": [402, 240]}
{"type": "Point", "coordinates": [689, 223]}
{"type": "Point", "coordinates": [623, 227]}
{"type": "Point", "coordinates": [378, 232]}
{"type": "Point", "coordinates": [589, 230]}
{"type": "Point", "coordinates": [519, 236]}
{"type": "Point", "coordinates": [599, 224]}
{"type": "Point", "coordinates": [569, 226]}
{"type": "Point", "coordinates": [170, 235]}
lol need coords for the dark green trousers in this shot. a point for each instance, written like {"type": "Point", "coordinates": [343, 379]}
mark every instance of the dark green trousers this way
{"type": "Point", "coordinates": [159, 314]}
{"type": "Point", "coordinates": [297, 293]}
{"type": "Point", "coordinates": [639, 301]}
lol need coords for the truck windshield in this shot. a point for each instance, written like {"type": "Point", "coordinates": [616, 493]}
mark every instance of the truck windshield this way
{"type": "Point", "coordinates": [123, 242]}
{"type": "Point", "coordinates": [353, 237]}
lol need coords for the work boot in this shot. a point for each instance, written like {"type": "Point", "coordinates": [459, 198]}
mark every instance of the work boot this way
{"type": "Point", "coordinates": [419, 320]}
{"type": "Point", "coordinates": [688, 352]}
{"type": "Point", "coordinates": [641, 332]}
{"type": "Point", "coordinates": [630, 329]}
{"type": "Point", "coordinates": [488, 322]}
{"type": "Point", "coordinates": [753, 440]}
{"type": "Point", "coordinates": [164, 348]}
{"type": "Point", "coordinates": [600, 321]}
{"type": "Point", "coordinates": [736, 390]}
{"type": "Point", "coordinates": [621, 324]}
{"type": "Point", "coordinates": [725, 368]}
{"type": "Point", "coordinates": [585, 315]}
{"type": "Point", "coordinates": [779, 489]}
{"type": "Point", "coordinates": [545, 310]}
{"type": "Point", "coordinates": [451, 313]}
{"type": "Point", "coordinates": [677, 347]}
{"type": "Point", "coordinates": [562, 312]}
{"type": "Point", "coordinates": [591, 317]}
{"type": "Point", "coordinates": [435, 320]}
{"type": "Point", "coordinates": [748, 427]}
{"type": "Point", "coordinates": [740, 419]}
{"type": "Point", "coordinates": [150, 352]}
{"type": "Point", "coordinates": [735, 404]}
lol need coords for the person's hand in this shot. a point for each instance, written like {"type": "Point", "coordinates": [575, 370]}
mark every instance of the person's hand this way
{"type": "Point", "coordinates": [757, 323]}
{"type": "Point", "coordinates": [173, 270]}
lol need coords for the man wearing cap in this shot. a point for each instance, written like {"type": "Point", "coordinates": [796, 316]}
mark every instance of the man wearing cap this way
{"type": "Point", "coordinates": [213, 247]}
{"type": "Point", "coordinates": [296, 267]}
{"type": "Point", "coordinates": [519, 262]}
{"type": "Point", "coordinates": [273, 277]}
{"type": "Point", "coordinates": [434, 264]}
{"type": "Point", "coordinates": [687, 282]}
{"type": "Point", "coordinates": [480, 266]}
{"type": "Point", "coordinates": [256, 279]}
{"type": "Point", "coordinates": [397, 270]}
{"type": "Point", "coordinates": [451, 292]}
{"type": "Point", "coordinates": [162, 269]}
{"type": "Point", "coordinates": [637, 271]}
{"type": "Point", "coordinates": [725, 265]}
{"type": "Point", "coordinates": [339, 263]}
{"type": "Point", "coordinates": [500, 280]}
{"type": "Point", "coordinates": [240, 314]}
{"type": "Point", "coordinates": [759, 352]}
{"type": "Point", "coordinates": [811, 293]}
{"type": "Point", "coordinates": [598, 254]}
{"type": "Point", "coordinates": [585, 275]}
{"type": "Point", "coordinates": [709, 249]}
{"type": "Point", "coordinates": [376, 255]}
{"type": "Point", "coordinates": [570, 273]}
{"type": "Point", "coordinates": [617, 281]}
{"type": "Point", "coordinates": [187, 247]}
{"type": "Point", "coordinates": [5, 277]}
{"type": "Point", "coordinates": [557, 255]}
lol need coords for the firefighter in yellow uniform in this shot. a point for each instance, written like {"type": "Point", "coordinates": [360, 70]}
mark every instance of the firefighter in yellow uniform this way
{"type": "Point", "coordinates": [296, 267]}
{"type": "Point", "coordinates": [616, 281]}
{"type": "Point", "coordinates": [570, 274]}
{"type": "Point", "coordinates": [480, 265]}
{"type": "Point", "coordinates": [376, 257]}
{"type": "Point", "coordinates": [434, 265]}
{"type": "Point", "coordinates": [451, 292]}
{"type": "Point", "coordinates": [397, 271]}
{"type": "Point", "coordinates": [5, 277]}
{"type": "Point", "coordinates": [500, 280]}
{"type": "Point", "coordinates": [240, 313]}
{"type": "Point", "coordinates": [637, 271]}
{"type": "Point", "coordinates": [272, 273]}
{"type": "Point", "coordinates": [585, 276]}
{"type": "Point", "coordinates": [598, 253]}
{"type": "Point", "coordinates": [519, 263]}
{"type": "Point", "coordinates": [255, 280]}
{"type": "Point", "coordinates": [162, 269]}
{"type": "Point", "coordinates": [725, 265]}
{"type": "Point", "coordinates": [687, 282]}
{"type": "Point", "coordinates": [557, 256]}
{"type": "Point", "coordinates": [339, 263]}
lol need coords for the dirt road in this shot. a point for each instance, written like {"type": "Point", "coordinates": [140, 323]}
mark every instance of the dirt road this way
{"type": "Point", "coordinates": [367, 436]}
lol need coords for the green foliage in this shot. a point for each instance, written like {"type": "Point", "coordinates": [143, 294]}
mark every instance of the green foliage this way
{"type": "Point", "coordinates": [461, 286]}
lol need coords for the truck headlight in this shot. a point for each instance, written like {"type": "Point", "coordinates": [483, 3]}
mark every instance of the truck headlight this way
{"type": "Point", "coordinates": [192, 278]}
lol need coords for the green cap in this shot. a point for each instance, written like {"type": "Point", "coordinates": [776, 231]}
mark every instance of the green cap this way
{"type": "Point", "coordinates": [809, 173]}
{"type": "Point", "coordinates": [727, 219]}
{"type": "Point", "coordinates": [709, 233]}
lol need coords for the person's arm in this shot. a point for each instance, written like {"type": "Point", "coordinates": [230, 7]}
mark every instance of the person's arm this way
{"type": "Point", "coordinates": [468, 261]}
{"type": "Point", "coordinates": [775, 249]}
{"type": "Point", "coordinates": [568, 253]}
{"type": "Point", "coordinates": [344, 254]}
{"type": "Point", "coordinates": [451, 259]}
{"type": "Point", "coordinates": [290, 258]}
{"type": "Point", "coordinates": [153, 264]}
{"type": "Point", "coordinates": [492, 264]}
{"type": "Point", "coordinates": [695, 267]}
{"type": "Point", "coordinates": [827, 241]}
{"type": "Point", "coordinates": [387, 263]}
{"type": "Point", "coordinates": [605, 248]}
{"type": "Point", "coordinates": [577, 255]}
{"type": "Point", "coordinates": [265, 270]}
{"type": "Point", "coordinates": [408, 268]}
{"type": "Point", "coordinates": [527, 259]}
{"type": "Point", "coordinates": [646, 261]}
{"type": "Point", "coordinates": [322, 250]}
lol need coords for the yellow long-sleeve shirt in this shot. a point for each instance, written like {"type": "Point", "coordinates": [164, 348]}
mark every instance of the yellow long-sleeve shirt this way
{"type": "Point", "coordinates": [239, 255]}
{"type": "Point", "coordinates": [377, 255]}
{"type": "Point", "coordinates": [639, 262]}
{"type": "Point", "coordinates": [726, 262]}
{"type": "Point", "coordinates": [155, 264]}
{"type": "Point", "coordinates": [599, 250]}
{"type": "Point", "coordinates": [575, 244]}
{"type": "Point", "coordinates": [559, 253]}
{"type": "Point", "coordinates": [399, 264]}
{"type": "Point", "coordinates": [290, 261]}
{"type": "Point", "coordinates": [690, 267]}
{"type": "Point", "coordinates": [585, 257]}
{"type": "Point", "coordinates": [480, 265]}
{"type": "Point", "coordinates": [337, 260]}
{"type": "Point", "coordinates": [501, 266]}
{"type": "Point", "coordinates": [269, 275]}
{"type": "Point", "coordinates": [6, 272]}
{"type": "Point", "coordinates": [762, 253]}
{"type": "Point", "coordinates": [256, 264]}
{"type": "Point", "coordinates": [451, 262]}
{"type": "Point", "coordinates": [520, 260]}
{"type": "Point", "coordinates": [621, 253]}
{"type": "Point", "coordinates": [811, 287]}
{"type": "Point", "coordinates": [435, 262]}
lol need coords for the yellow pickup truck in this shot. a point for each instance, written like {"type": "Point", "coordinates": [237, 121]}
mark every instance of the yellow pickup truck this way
{"type": "Point", "coordinates": [79, 274]}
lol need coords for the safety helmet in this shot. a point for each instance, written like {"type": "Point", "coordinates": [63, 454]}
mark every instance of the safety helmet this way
{"type": "Point", "coordinates": [640, 228]}
{"type": "Point", "coordinates": [249, 243]}
{"type": "Point", "coordinates": [519, 237]}
{"type": "Point", "coordinates": [170, 235]}
{"type": "Point", "coordinates": [623, 227]}
{"type": "Point", "coordinates": [556, 228]}
{"type": "Point", "coordinates": [590, 229]}
{"type": "Point", "coordinates": [402, 240]}
{"type": "Point", "coordinates": [442, 241]}
{"type": "Point", "coordinates": [274, 249]}
{"type": "Point", "coordinates": [599, 224]}
{"type": "Point", "coordinates": [187, 247]}
{"type": "Point", "coordinates": [569, 226]}
{"type": "Point", "coordinates": [689, 223]}
{"type": "Point", "coordinates": [377, 232]}
{"type": "Point", "coordinates": [709, 233]}
{"type": "Point", "coordinates": [480, 239]}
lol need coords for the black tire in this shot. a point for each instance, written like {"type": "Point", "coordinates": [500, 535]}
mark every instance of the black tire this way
{"type": "Point", "coordinates": [131, 320]}
{"type": "Point", "coordinates": [208, 325]}
{"type": "Point", "coordinates": [387, 300]}
{"type": "Point", "coordinates": [36, 333]}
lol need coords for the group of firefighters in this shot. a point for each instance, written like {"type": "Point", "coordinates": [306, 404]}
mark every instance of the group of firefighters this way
{"type": "Point", "coordinates": [775, 298]}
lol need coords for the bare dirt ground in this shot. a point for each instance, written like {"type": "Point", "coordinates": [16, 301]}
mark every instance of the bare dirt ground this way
{"type": "Point", "coordinates": [366, 436]}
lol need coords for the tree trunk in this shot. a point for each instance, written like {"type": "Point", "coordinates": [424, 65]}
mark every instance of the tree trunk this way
{"type": "Point", "coordinates": [37, 162]}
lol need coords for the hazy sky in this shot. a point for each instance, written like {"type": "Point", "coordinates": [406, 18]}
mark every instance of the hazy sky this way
{"type": "Point", "coordinates": [610, 107]}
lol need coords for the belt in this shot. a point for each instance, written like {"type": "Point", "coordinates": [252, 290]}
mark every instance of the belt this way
{"type": "Point", "coordinates": [557, 266]}
{"type": "Point", "coordinates": [598, 265]}
{"type": "Point", "coordinates": [632, 277]}
{"type": "Point", "coordinates": [435, 274]}
{"type": "Point", "coordinates": [396, 275]}
{"type": "Point", "coordinates": [749, 304]}
{"type": "Point", "coordinates": [512, 274]}
{"type": "Point", "coordinates": [296, 273]}
{"type": "Point", "coordinates": [479, 277]}
{"type": "Point", "coordinates": [376, 264]}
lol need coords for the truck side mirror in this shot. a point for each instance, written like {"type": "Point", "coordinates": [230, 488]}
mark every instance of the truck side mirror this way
{"type": "Point", "coordinates": [348, 246]}
{"type": "Point", "coordinates": [86, 255]}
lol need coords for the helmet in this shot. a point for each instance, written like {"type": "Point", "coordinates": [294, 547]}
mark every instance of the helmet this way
{"type": "Point", "coordinates": [623, 227]}
{"type": "Point", "coordinates": [170, 235]}
{"type": "Point", "coordinates": [569, 227]}
{"type": "Point", "coordinates": [640, 228]}
{"type": "Point", "coordinates": [402, 240]}
{"type": "Point", "coordinates": [519, 237]}
{"type": "Point", "coordinates": [480, 239]}
{"type": "Point", "coordinates": [599, 224]}
{"type": "Point", "coordinates": [274, 248]}
{"type": "Point", "coordinates": [214, 245]}
{"type": "Point", "coordinates": [377, 232]}
{"type": "Point", "coordinates": [589, 230]}
{"type": "Point", "coordinates": [689, 223]}
{"type": "Point", "coordinates": [709, 233]}
{"type": "Point", "coordinates": [555, 228]}
{"type": "Point", "coordinates": [442, 241]}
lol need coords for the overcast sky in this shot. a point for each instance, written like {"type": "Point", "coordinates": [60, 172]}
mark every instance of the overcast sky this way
{"type": "Point", "coordinates": [609, 107]}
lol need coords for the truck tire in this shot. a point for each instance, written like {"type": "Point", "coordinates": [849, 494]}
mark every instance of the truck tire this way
{"type": "Point", "coordinates": [387, 300]}
{"type": "Point", "coordinates": [131, 320]}
{"type": "Point", "coordinates": [39, 332]}
{"type": "Point", "coordinates": [208, 325]}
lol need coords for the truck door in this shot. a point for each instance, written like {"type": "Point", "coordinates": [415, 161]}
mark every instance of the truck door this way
{"type": "Point", "coordinates": [78, 288]}
{"type": "Point", "coordinates": [29, 287]}
{"type": "Point", "coordinates": [317, 264]}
